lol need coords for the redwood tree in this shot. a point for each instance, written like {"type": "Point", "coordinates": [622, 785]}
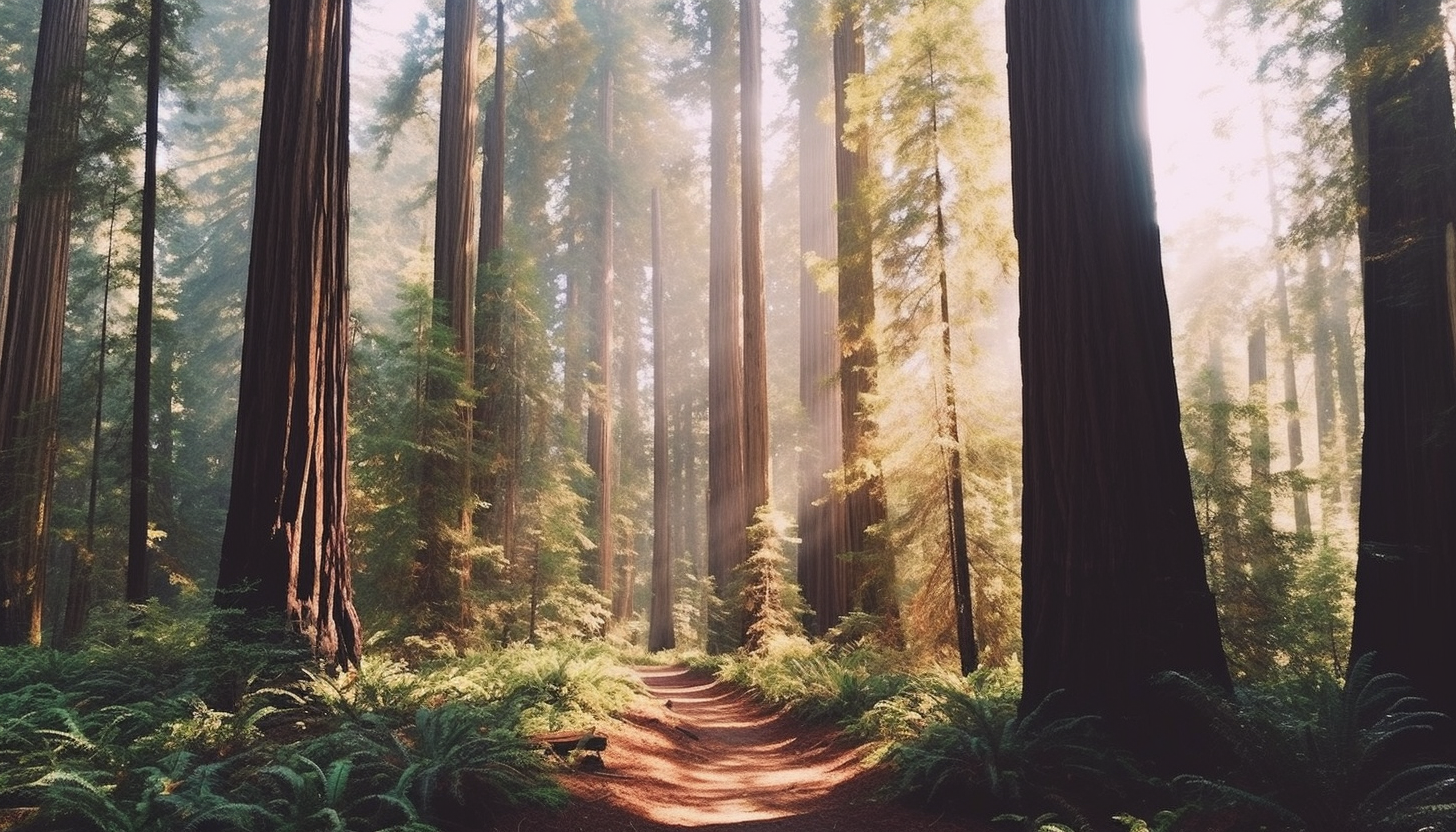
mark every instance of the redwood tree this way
{"type": "Point", "coordinates": [285, 548]}
{"type": "Point", "coordinates": [35, 285]}
{"type": "Point", "coordinates": [755, 343]}
{"type": "Point", "coordinates": [871, 576]}
{"type": "Point", "coordinates": [1114, 589]}
{"type": "Point", "coordinates": [822, 526]}
{"type": "Point", "coordinates": [727, 506]}
{"type": "Point", "coordinates": [1406, 143]}
{"type": "Point", "coordinates": [660, 632]}
{"type": "Point", "coordinates": [599, 452]}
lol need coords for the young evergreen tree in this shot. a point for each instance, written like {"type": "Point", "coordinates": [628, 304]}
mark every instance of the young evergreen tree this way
{"type": "Point", "coordinates": [285, 550]}
{"type": "Point", "coordinates": [1114, 588]}
{"type": "Point", "coordinates": [1405, 145]}
{"type": "Point", "coordinates": [35, 288]}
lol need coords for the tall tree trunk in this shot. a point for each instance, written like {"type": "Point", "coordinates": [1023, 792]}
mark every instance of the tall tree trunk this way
{"type": "Point", "coordinates": [285, 548]}
{"type": "Point", "coordinates": [1326, 412]}
{"type": "Point", "coordinates": [1261, 494]}
{"type": "Point", "coordinates": [599, 408]}
{"type": "Point", "coordinates": [497, 428]}
{"type": "Point", "coordinates": [137, 564]}
{"type": "Point", "coordinates": [1346, 374]}
{"type": "Point", "coordinates": [1114, 587]}
{"type": "Point", "coordinates": [1406, 144]}
{"type": "Point", "coordinates": [755, 333]}
{"type": "Point", "coordinates": [35, 316]}
{"type": "Point", "coordinates": [823, 529]}
{"type": "Point", "coordinates": [727, 498]}
{"type": "Point", "coordinates": [870, 574]}
{"type": "Point", "coordinates": [660, 633]}
{"type": "Point", "coordinates": [442, 570]}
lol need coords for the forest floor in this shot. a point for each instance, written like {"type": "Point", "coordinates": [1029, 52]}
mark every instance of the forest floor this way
{"type": "Point", "coordinates": [705, 755]}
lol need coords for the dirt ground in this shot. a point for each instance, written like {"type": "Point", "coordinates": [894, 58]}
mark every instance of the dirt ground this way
{"type": "Point", "coordinates": [704, 755]}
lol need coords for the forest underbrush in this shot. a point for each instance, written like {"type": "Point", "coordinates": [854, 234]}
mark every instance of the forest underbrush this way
{"type": "Point", "coordinates": [158, 723]}
{"type": "Point", "coordinates": [1301, 754]}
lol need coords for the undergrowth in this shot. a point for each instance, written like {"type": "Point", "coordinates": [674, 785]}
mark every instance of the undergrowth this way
{"type": "Point", "coordinates": [158, 723]}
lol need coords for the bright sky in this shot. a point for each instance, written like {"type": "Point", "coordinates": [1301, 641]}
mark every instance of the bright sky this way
{"type": "Point", "coordinates": [1203, 115]}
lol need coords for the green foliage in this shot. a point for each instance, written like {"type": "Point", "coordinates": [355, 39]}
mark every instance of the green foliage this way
{"type": "Point", "coordinates": [1328, 757]}
{"type": "Point", "coordinates": [815, 681]}
{"type": "Point", "coordinates": [959, 742]}
{"type": "Point", "coordinates": [134, 732]}
{"type": "Point", "coordinates": [769, 600]}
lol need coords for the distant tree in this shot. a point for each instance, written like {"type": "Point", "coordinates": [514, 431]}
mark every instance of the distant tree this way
{"type": "Point", "coordinates": [137, 562]}
{"type": "Point", "coordinates": [1405, 147]}
{"type": "Point", "coordinates": [1114, 588]}
{"type": "Point", "coordinates": [871, 574]}
{"type": "Point", "coordinates": [755, 335]}
{"type": "Point", "coordinates": [599, 451]}
{"type": "Point", "coordinates": [446, 498]}
{"type": "Point", "coordinates": [35, 285]}
{"type": "Point", "coordinates": [727, 506]}
{"type": "Point", "coordinates": [660, 631]}
{"type": "Point", "coordinates": [823, 530]}
{"type": "Point", "coordinates": [285, 549]}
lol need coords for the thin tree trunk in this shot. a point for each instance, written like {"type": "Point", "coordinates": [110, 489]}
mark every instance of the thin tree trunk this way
{"type": "Point", "coordinates": [823, 529]}
{"type": "Point", "coordinates": [660, 634]}
{"type": "Point", "coordinates": [1345, 369]}
{"type": "Point", "coordinates": [599, 410]}
{"type": "Point", "coordinates": [1114, 587]}
{"type": "Point", "coordinates": [34, 318]}
{"type": "Point", "coordinates": [1260, 476]}
{"type": "Point", "coordinates": [755, 333]}
{"type": "Point", "coordinates": [871, 574]}
{"type": "Point", "coordinates": [137, 590]}
{"type": "Point", "coordinates": [727, 499]}
{"type": "Point", "coordinates": [442, 571]}
{"type": "Point", "coordinates": [285, 549]}
{"type": "Point", "coordinates": [1326, 413]}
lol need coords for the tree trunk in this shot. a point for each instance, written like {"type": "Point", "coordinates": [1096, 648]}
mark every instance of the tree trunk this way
{"type": "Point", "coordinates": [755, 333]}
{"type": "Point", "coordinates": [285, 548]}
{"type": "Point", "coordinates": [727, 498]}
{"type": "Point", "coordinates": [823, 530]}
{"type": "Point", "coordinates": [1114, 587]}
{"type": "Point", "coordinates": [870, 573]}
{"type": "Point", "coordinates": [1326, 412]}
{"type": "Point", "coordinates": [599, 408]}
{"type": "Point", "coordinates": [137, 590]}
{"type": "Point", "coordinates": [1406, 144]}
{"type": "Point", "coordinates": [660, 634]}
{"type": "Point", "coordinates": [442, 571]}
{"type": "Point", "coordinates": [35, 316]}
{"type": "Point", "coordinates": [497, 428]}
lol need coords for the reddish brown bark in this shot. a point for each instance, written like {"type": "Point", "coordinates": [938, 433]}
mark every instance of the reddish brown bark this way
{"type": "Point", "coordinates": [599, 451]}
{"type": "Point", "coordinates": [1114, 588]}
{"type": "Point", "coordinates": [285, 548]}
{"type": "Point", "coordinates": [34, 318]}
{"type": "Point", "coordinates": [660, 633]}
{"type": "Point", "coordinates": [755, 333]}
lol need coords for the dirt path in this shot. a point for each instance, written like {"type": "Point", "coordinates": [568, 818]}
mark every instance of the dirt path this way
{"type": "Point", "coordinates": [704, 755]}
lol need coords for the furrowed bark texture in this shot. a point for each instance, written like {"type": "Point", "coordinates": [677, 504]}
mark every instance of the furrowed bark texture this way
{"type": "Point", "coordinates": [1112, 560]}
{"type": "Point", "coordinates": [35, 311]}
{"type": "Point", "coordinates": [727, 506]}
{"type": "Point", "coordinates": [755, 333]}
{"type": "Point", "coordinates": [823, 529]}
{"type": "Point", "coordinates": [870, 575]}
{"type": "Point", "coordinates": [1406, 574]}
{"type": "Point", "coordinates": [285, 547]}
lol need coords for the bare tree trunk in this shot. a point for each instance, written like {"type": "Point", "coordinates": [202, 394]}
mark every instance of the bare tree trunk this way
{"type": "Point", "coordinates": [823, 529]}
{"type": "Point", "coordinates": [1114, 587]}
{"type": "Point", "coordinates": [727, 506]}
{"type": "Point", "coordinates": [599, 409]}
{"type": "Point", "coordinates": [137, 559]}
{"type": "Point", "coordinates": [442, 570]}
{"type": "Point", "coordinates": [660, 635]}
{"type": "Point", "coordinates": [34, 318]}
{"type": "Point", "coordinates": [285, 549]}
{"type": "Point", "coordinates": [871, 573]}
{"type": "Point", "coordinates": [755, 333]}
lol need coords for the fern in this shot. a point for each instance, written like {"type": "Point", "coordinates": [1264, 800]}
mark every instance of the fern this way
{"type": "Point", "coordinates": [1360, 762]}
